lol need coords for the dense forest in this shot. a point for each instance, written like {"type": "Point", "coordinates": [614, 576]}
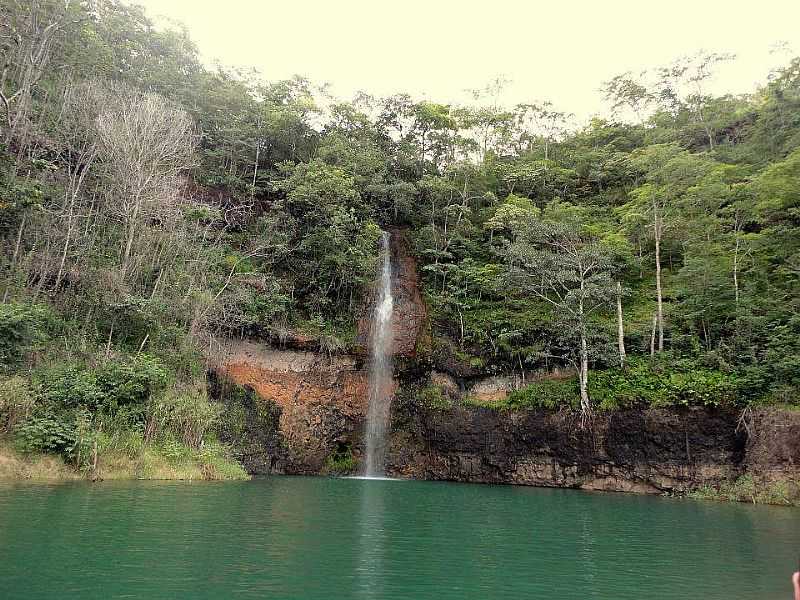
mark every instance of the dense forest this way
{"type": "Point", "coordinates": [151, 206]}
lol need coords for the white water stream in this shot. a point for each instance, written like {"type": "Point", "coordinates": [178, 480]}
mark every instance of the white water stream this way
{"type": "Point", "coordinates": [380, 370]}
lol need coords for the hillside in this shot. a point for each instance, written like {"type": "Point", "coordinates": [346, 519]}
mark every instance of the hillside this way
{"type": "Point", "coordinates": [154, 211]}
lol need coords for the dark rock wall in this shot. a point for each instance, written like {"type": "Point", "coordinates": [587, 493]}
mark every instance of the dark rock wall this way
{"type": "Point", "coordinates": [654, 450]}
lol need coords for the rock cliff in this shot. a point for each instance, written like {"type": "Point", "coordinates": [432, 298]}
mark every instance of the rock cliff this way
{"type": "Point", "coordinates": [302, 408]}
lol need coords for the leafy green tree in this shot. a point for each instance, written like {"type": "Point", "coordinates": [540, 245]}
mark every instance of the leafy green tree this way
{"type": "Point", "coordinates": [556, 260]}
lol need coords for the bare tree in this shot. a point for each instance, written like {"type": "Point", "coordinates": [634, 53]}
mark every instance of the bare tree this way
{"type": "Point", "coordinates": [79, 147]}
{"type": "Point", "coordinates": [145, 143]}
{"type": "Point", "coordinates": [27, 34]}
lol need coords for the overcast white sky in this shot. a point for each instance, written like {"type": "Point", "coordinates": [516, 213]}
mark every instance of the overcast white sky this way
{"type": "Point", "coordinates": [561, 50]}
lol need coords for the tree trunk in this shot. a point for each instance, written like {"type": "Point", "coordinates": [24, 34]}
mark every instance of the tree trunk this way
{"type": "Point", "coordinates": [131, 231]}
{"type": "Point", "coordinates": [19, 240]}
{"type": "Point", "coordinates": [584, 374]}
{"type": "Point", "coordinates": [659, 300]}
{"type": "Point", "coordinates": [653, 335]}
{"type": "Point", "coordinates": [736, 274]}
{"type": "Point", "coordinates": [584, 368]}
{"type": "Point", "coordinates": [67, 240]}
{"type": "Point", "coordinates": [620, 328]}
{"type": "Point", "coordinates": [255, 171]}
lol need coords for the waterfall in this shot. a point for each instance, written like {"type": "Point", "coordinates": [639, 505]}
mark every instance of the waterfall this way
{"type": "Point", "coordinates": [380, 370]}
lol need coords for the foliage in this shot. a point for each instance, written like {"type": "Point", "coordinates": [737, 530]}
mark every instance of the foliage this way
{"type": "Point", "coordinates": [341, 461]}
{"type": "Point", "coordinates": [123, 384]}
{"type": "Point", "coordinates": [670, 383]}
{"type": "Point", "coordinates": [186, 414]}
{"type": "Point", "coordinates": [433, 397]}
{"type": "Point", "coordinates": [23, 328]}
{"type": "Point", "coordinates": [17, 400]}
{"type": "Point", "coordinates": [46, 432]}
{"type": "Point", "coordinates": [749, 489]}
{"type": "Point", "coordinates": [551, 394]}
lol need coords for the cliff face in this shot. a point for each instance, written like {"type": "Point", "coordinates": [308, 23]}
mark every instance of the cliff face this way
{"type": "Point", "coordinates": [304, 408]}
{"type": "Point", "coordinates": [316, 406]}
{"type": "Point", "coordinates": [653, 451]}
{"type": "Point", "coordinates": [318, 403]}
{"type": "Point", "coordinates": [408, 316]}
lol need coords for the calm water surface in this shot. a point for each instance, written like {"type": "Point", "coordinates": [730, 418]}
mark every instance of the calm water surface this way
{"type": "Point", "coordinates": [303, 538]}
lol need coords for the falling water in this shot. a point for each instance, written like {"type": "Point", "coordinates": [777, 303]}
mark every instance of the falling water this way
{"type": "Point", "coordinates": [380, 372]}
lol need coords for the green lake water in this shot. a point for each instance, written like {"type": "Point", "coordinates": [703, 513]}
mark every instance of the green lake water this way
{"type": "Point", "coordinates": [305, 537]}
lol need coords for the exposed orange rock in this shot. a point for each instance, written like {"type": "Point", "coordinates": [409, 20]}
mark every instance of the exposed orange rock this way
{"type": "Point", "coordinates": [323, 400]}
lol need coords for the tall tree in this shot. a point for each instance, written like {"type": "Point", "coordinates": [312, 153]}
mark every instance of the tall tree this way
{"type": "Point", "coordinates": [562, 263]}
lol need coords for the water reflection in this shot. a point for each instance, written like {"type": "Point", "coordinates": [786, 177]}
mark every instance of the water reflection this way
{"type": "Point", "coordinates": [370, 577]}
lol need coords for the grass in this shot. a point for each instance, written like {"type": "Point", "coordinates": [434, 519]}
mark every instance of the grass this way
{"type": "Point", "coordinates": [341, 461]}
{"type": "Point", "coordinates": [748, 489]}
{"type": "Point", "coordinates": [434, 397]}
{"type": "Point", "coordinates": [41, 467]}
{"type": "Point", "coordinates": [126, 459]}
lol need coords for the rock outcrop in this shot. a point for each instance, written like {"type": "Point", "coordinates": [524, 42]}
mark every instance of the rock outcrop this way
{"type": "Point", "coordinates": [320, 400]}
{"type": "Point", "coordinates": [409, 314]}
{"type": "Point", "coordinates": [653, 450]}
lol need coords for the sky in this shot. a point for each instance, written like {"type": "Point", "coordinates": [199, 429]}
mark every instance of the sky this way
{"type": "Point", "coordinates": [556, 50]}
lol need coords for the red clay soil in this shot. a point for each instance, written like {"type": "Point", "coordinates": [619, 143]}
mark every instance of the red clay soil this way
{"type": "Point", "coordinates": [346, 389]}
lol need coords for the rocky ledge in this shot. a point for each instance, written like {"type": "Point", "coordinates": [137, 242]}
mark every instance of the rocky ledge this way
{"type": "Point", "coordinates": [648, 450]}
{"type": "Point", "coordinates": [303, 408]}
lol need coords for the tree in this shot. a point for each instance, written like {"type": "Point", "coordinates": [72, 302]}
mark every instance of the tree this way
{"type": "Point", "coordinates": [670, 172]}
{"type": "Point", "coordinates": [556, 259]}
{"type": "Point", "coordinates": [684, 83]}
{"type": "Point", "coordinates": [146, 142]}
{"type": "Point", "coordinates": [27, 34]}
{"type": "Point", "coordinates": [626, 92]}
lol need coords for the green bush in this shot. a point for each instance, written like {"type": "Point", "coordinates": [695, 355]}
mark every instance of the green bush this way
{"type": "Point", "coordinates": [341, 461]}
{"type": "Point", "coordinates": [16, 401]}
{"type": "Point", "coordinates": [434, 398]}
{"type": "Point", "coordinates": [188, 415]}
{"type": "Point", "coordinates": [131, 381]}
{"type": "Point", "coordinates": [749, 489]}
{"type": "Point", "coordinates": [69, 386]}
{"type": "Point", "coordinates": [547, 393]}
{"type": "Point", "coordinates": [679, 383]}
{"type": "Point", "coordinates": [123, 384]}
{"type": "Point", "coordinates": [23, 327]}
{"type": "Point", "coordinates": [70, 434]}
{"type": "Point", "coordinates": [46, 432]}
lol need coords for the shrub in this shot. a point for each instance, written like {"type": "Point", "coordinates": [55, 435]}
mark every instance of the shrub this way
{"type": "Point", "coordinates": [341, 461]}
{"type": "Point", "coordinates": [434, 398]}
{"type": "Point", "coordinates": [749, 489]}
{"type": "Point", "coordinates": [16, 401]}
{"type": "Point", "coordinates": [132, 381]}
{"type": "Point", "coordinates": [547, 393]}
{"type": "Point", "coordinates": [22, 328]}
{"type": "Point", "coordinates": [69, 386]}
{"type": "Point", "coordinates": [69, 434]}
{"type": "Point", "coordinates": [46, 432]}
{"type": "Point", "coordinates": [681, 383]}
{"type": "Point", "coordinates": [120, 385]}
{"type": "Point", "coordinates": [188, 415]}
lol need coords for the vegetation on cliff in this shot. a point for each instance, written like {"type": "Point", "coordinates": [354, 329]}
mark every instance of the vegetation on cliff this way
{"type": "Point", "coordinates": [150, 204]}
